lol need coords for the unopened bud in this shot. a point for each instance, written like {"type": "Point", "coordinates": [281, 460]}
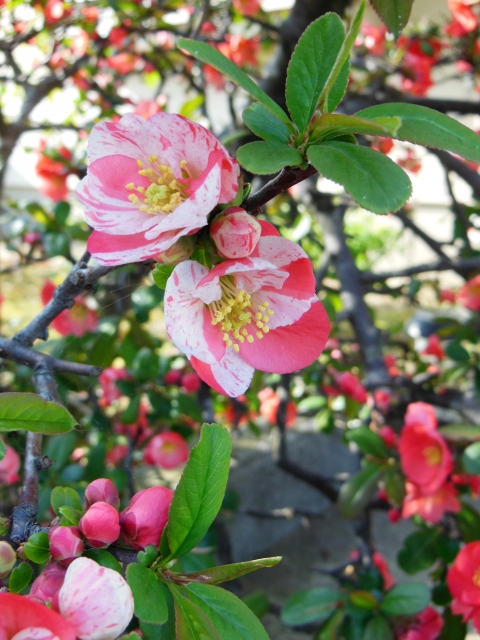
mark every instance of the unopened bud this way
{"type": "Point", "coordinates": [101, 490]}
{"type": "Point", "coordinates": [48, 584]}
{"type": "Point", "coordinates": [235, 233]}
{"type": "Point", "coordinates": [181, 250]}
{"type": "Point", "coordinates": [144, 520]}
{"type": "Point", "coordinates": [66, 544]}
{"type": "Point", "coordinates": [100, 525]}
{"type": "Point", "coordinates": [8, 558]}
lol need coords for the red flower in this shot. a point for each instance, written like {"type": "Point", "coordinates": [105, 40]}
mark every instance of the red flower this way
{"type": "Point", "coordinates": [421, 413]}
{"type": "Point", "coordinates": [269, 404]}
{"type": "Point", "coordinates": [167, 450]}
{"type": "Point", "coordinates": [53, 173]}
{"type": "Point", "coordinates": [246, 7]}
{"type": "Point", "coordinates": [144, 520]}
{"type": "Point", "coordinates": [100, 525]}
{"type": "Point", "coordinates": [374, 41]}
{"type": "Point", "coordinates": [19, 614]}
{"type": "Point", "coordinates": [382, 565]}
{"type": "Point", "coordinates": [463, 17]}
{"type": "Point", "coordinates": [427, 625]}
{"type": "Point", "coordinates": [383, 400]}
{"type": "Point", "coordinates": [463, 580]}
{"type": "Point", "coordinates": [447, 295]}
{"type": "Point", "coordinates": [350, 385]}
{"type": "Point", "coordinates": [107, 380]}
{"type": "Point", "coordinates": [388, 435]}
{"type": "Point", "coordinates": [430, 507]}
{"type": "Point", "coordinates": [469, 294]}
{"type": "Point", "coordinates": [9, 466]}
{"type": "Point", "coordinates": [190, 382]}
{"type": "Point", "coordinates": [75, 321]}
{"type": "Point", "coordinates": [384, 145]}
{"type": "Point", "coordinates": [434, 347]}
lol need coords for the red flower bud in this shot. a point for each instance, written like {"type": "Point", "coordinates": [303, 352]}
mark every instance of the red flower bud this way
{"type": "Point", "coordinates": [66, 544]}
{"type": "Point", "coordinates": [173, 376]}
{"type": "Point", "coordinates": [167, 450]}
{"type": "Point", "coordinates": [100, 525]}
{"type": "Point", "coordinates": [191, 382]}
{"type": "Point", "coordinates": [101, 490]}
{"type": "Point", "coordinates": [9, 466]}
{"type": "Point", "coordinates": [235, 233]}
{"type": "Point", "coordinates": [8, 558]}
{"type": "Point", "coordinates": [48, 584]}
{"type": "Point", "coordinates": [145, 518]}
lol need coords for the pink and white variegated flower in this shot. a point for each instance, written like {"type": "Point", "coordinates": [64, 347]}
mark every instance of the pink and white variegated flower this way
{"type": "Point", "coordinates": [149, 183]}
{"type": "Point", "coordinates": [259, 312]}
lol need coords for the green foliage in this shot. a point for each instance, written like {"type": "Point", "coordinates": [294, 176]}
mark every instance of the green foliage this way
{"type": "Point", "coordinates": [30, 412]}
{"type": "Point", "coordinates": [37, 549]}
{"type": "Point", "coordinates": [267, 157]}
{"type": "Point", "coordinates": [453, 628]}
{"type": "Point", "coordinates": [258, 602]}
{"type": "Point", "coordinates": [333, 125]}
{"type": "Point", "coordinates": [378, 629]}
{"type": "Point", "coordinates": [226, 572]}
{"type": "Point", "coordinates": [419, 550]}
{"type": "Point", "coordinates": [460, 432]}
{"type": "Point", "coordinates": [20, 578]}
{"type": "Point", "coordinates": [149, 597]}
{"type": "Point", "coordinates": [405, 599]}
{"type": "Point", "coordinates": [161, 274]}
{"type": "Point", "coordinates": [310, 605]}
{"type": "Point", "coordinates": [3, 449]}
{"type": "Point", "coordinates": [394, 13]}
{"type": "Point", "coordinates": [468, 520]}
{"type": "Point", "coordinates": [357, 492]}
{"type": "Point", "coordinates": [104, 558]}
{"type": "Point", "coordinates": [367, 441]}
{"type": "Point", "coordinates": [264, 125]}
{"type": "Point", "coordinates": [471, 459]}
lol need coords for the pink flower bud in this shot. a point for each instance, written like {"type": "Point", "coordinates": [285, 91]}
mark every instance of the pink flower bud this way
{"type": "Point", "coordinates": [235, 233]}
{"type": "Point", "coordinates": [66, 544]}
{"type": "Point", "coordinates": [101, 490]}
{"type": "Point", "coordinates": [9, 466]}
{"type": "Point", "coordinates": [191, 382]}
{"type": "Point", "coordinates": [145, 518]}
{"type": "Point", "coordinates": [181, 250]}
{"type": "Point", "coordinates": [96, 601]}
{"type": "Point", "coordinates": [173, 376]}
{"type": "Point", "coordinates": [107, 380]}
{"type": "Point", "coordinates": [100, 525]}
{"type": "Point", "coordinates": [8, 557]}
{"type": "Point", "coordinates": [48, 584]}
{"type": "Point", "coordinates": [25, 619]}
{"type": "Point", "coordinates": [167, 450]}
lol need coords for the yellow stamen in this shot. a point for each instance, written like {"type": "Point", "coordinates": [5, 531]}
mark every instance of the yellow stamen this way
{"type": "Point", "coordinates": [433, 455]}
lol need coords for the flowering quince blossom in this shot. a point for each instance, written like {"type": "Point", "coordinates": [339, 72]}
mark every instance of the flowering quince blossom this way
{"type": "Point", "coordinates": [100, 525]}
{"type": "Point", "coordinates": [24, 619]}
{"type": "Point", "coordinates": [48, 584]}
{"type": "Point", "coordinates": [107, 380]}
{"type": "Point", "coordinates": [469, 294]}
{"type": "Point", "coordinates": [350, 385]}
{"type": "Point", "coordinates": [95, 600]}
{"type": "Point", "coordinates": [9, 466]}
{"type": "Point", "coordinates": [144, 520]}
{"type": "Point", "coordinates": [430, 507]}
{"type": "Point", "coordinates": [463, 580]}
{"type": "Point", "coordinates": [76, 321]}
{"type": "Point", "coordinates": [66, 544]}
{"type": "Point", "coordinates": [149, 183]}
{"type": "Point", "coordinates": [259, 312]}
{"type": "Point", "coordinates": [269, 404]}
{"type": "Point", "coordinates": [235, 233]}
{"type": "Point", "coordinates": [101, 490]}
{"type": "Point", "coordinates": [382, 565]}
{"type": "Point", "coordinates": [167, 450]}
{"type": "Point", "coordinates": [427, 625]}
{"type": "Point", "coordinates": [434, 347]}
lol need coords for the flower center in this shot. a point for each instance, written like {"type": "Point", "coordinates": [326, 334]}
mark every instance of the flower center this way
{"type": "Point", "coordinates": [433, 455]}
{"type": "Point", "coordinates": [476, 577]}
{"type": "Point", "coordinates": [165, 193]}
{"type": "Point", "coordinates": [235, 310]}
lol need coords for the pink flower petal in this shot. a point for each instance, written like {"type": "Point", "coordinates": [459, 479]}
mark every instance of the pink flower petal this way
{"type": "Point", "coordinates": [231, 376]}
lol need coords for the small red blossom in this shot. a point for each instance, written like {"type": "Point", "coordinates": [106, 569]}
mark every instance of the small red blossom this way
{"type": "Point", "coordinates": [388, 435]}
{"type": "Point", "coordinates": [48, 584]}
{"type": "Point", "coordinates": [100, 525]}
{"type": "Point", "coordinates": [463, 580]}
{"type": "Point", "coordinates": [9, 466]}
{"type": "Point", "coordinates": [411, 162]}
{"type": "Point", "coordinates": [66, 544]}
{"type": "Point", "coordinates": [382, 565]}
{"type": "Point", "coordinates": [173, 377]}
{"type": "Point", "coordinates": [374, 40]}
{"type": "Point", "coordinates": [148, 108]}
{"type": "Point", "coordinates": [53, 172]}
{"type": "Point", "coordinates": [384, 145]}
{"type": "Point", "coordinates": [469, 294]}
{"type": "Point", "coordinates": [383, 400]}
{"type": "Point", "coordinates": [350, 385]}
{"type": "Point", "coordinates": [24, 618]}
{"type": "Point", "coordinates": [190, 382]}
{"type": "Point", "coordinates": [101, 490]}
{"type": "Point", "coordinates": [269, 404]}
{"type": "Point", "coordinates": [116, 454]}
{"type": "Point", "coordinates": [247, 8]}
{"type": "Point", "coordinates": [468, 480]}
{"type": "Point", "coordinates": [421, 413]}
{"type": "Point", "coordinates": [76, 321]}
{"type": "Point", "coordinates": [144, 520]}
{"type": "Point", "coordinates": [434, 347]}
{"type": "Point", "coordinates": [447, 295]}
{"type": "Point", "coordinates": [168, 450]}
{"type": "Point", "coordinates": [107, 380]}
{"type": "Point", "coordinates": [56, 10]}
{"type": "Point", "coordinates": [430, 507]}
{"type": "Point", "coordinates": [426, 625]}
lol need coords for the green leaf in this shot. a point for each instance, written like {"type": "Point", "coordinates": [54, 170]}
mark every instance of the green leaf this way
{"type": "Point", "coordinates": [65, 497]}
{"type": "Point", "coordinates": [267, 157]}
{"type": "Point", "coordinates": [30, 412]}
{"type": "Point", "coordinates": [395, 484]}
{"type": "Point", "coordinates": [394, 13]}
{"type": "Point", "coordinates": [149, 595]}
{"type": "Point", "coordinates": [456, 352]}
{"type": "Point", "coordinates": [20, 577]}
{"type": "Point", "coordinates": [378, 629]}
{"type": "Point", "coordinates": [429, 128]}
{"type": "Point", "coordinates": [147, 557]}
{"type": "Point", "coordinates": [216, 575]}
{"type": "Point", "coordinates": [191, 621]}
{"type": "Point", "coordinates": [332, 125]}
{"type": "Point", "coordinates": [199, 493]}
{"type": "Point", "coordinates": [329, 629]}
{"type": "Point", "coordinates": [312, 403]}
{"type": "Point", "coordinates": [357, 492]}
{"type": "Point", "coordinates": [70, 517]}
{"type": "Point", "coordinates": [264, 125]}
{"type": "Point", "coordinates": [61, 211]}
{"type": "Point", "coordinates": [405, 599]}
{"type": "Point", "coordinates": [468, 520]}
{"type": "Point", "coordinates": [164, 631]}
{"type": "Point", "coordinates": [419, 551]}
{"type": "Point", "coordinates": [161, 274]}
{"type": "Point", "coordinates": [218, 61]}
{"type": "Point", "coordinates": [363, 600]}
{"type": "Point", "coordinates": [37, 549]}
{"type": "Point", "coordinates": [310, 605]}
{"type": "Point", "coordinates": [368, 441]}
{"type": "Point", "coordinates": [471, 459]}
{"type": "Point", "coordinates": [3, 449]}
{"type": "Point", "coordinates": [372, 179]}
{"type": "Point", "coordinates": [460, 432]}
{"type": "Point", "coordinates": [231, 617]}
{"type": "Point", "coordinates": [310, 66]}
{"type": "Point", "coordinates": [104, 558]}
{"type": "Point", "coordinates": [453, 628]}
{"type": "Point", "coordinates": [257, 602]}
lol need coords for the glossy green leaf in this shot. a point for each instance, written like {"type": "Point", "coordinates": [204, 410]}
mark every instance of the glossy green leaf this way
{"type": "Point", "coordinates": [191, 621]}
{"type": "Point", "coordinates": [460, 432]}
{"type": "Point", "coordinates": [406, 599]}
{"type": "Point", "coordinates": [357, 492]}
{"type": "Point", "coordinates": [329, 629]}
{"type": "Point", "coordinates": [394, 13]}
{"type": "Point", "coordinates": [363, 599]}
{"type": "Point", "coordinates": [267, 157]}
{"type": "Point", "coordinates": [264, 125]}
{"type": "Point", "coordinates": [372, 179]}
{"type": "Point", "coordinates": [231, 617]}
{"type": "Point", "coordinates": [368, 441]}
{"type": "Point", "coordinates": [395, 484]}
{"type": "Point", "coordinates": [3, 449]}
{"type": "Point", "coordinates": [65, 496]}
{"type": "Point", "coordinates": [226, 572]}
{"type": "Point", "coordinates": [104, 558]}
{"type": "Point", "coordinates": [332, 125]}
{"type": "Point", "coordinates": [20, 577]}
{"type": "Point", "coordinates": [310, 66]}
{"type": "Point", "coordinates": [456, 352]}
{"type": "Point", "coordinates": [164, 631]}
{"type": "Point", "coordinates": [257, 602]}
{"type": "Point", "coordinates": [69, 517]}
{"type": "Point", "coordinates": [161, 274]}
{"type": "Point", "coordinates": [429, 128]}
{"type": "Point", "coordinates": [471, 459]}
{"type": "Point", "coordinates": [30, 412]}
{"type": "Point", "coordinates": [378, 629]}
{"type": "Point", "coordinates": [199, 493]}
{"type": "Point", "coordinates": [468, 520]}
{"type": "Point", "coordinates": [454, 628]}
{"type": "Point", "coordinates": [419, 551]}
{"type": "Point", "coordinates": [218, 61]}
{"type": "Point", "coordinates": [147, 557]}
{"type": "Point", "coordinates": [149, 594]}
{"type": "Point", "coordinates": [37, 548]}
{"type": "Point", "coordinates": [310, 605]}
